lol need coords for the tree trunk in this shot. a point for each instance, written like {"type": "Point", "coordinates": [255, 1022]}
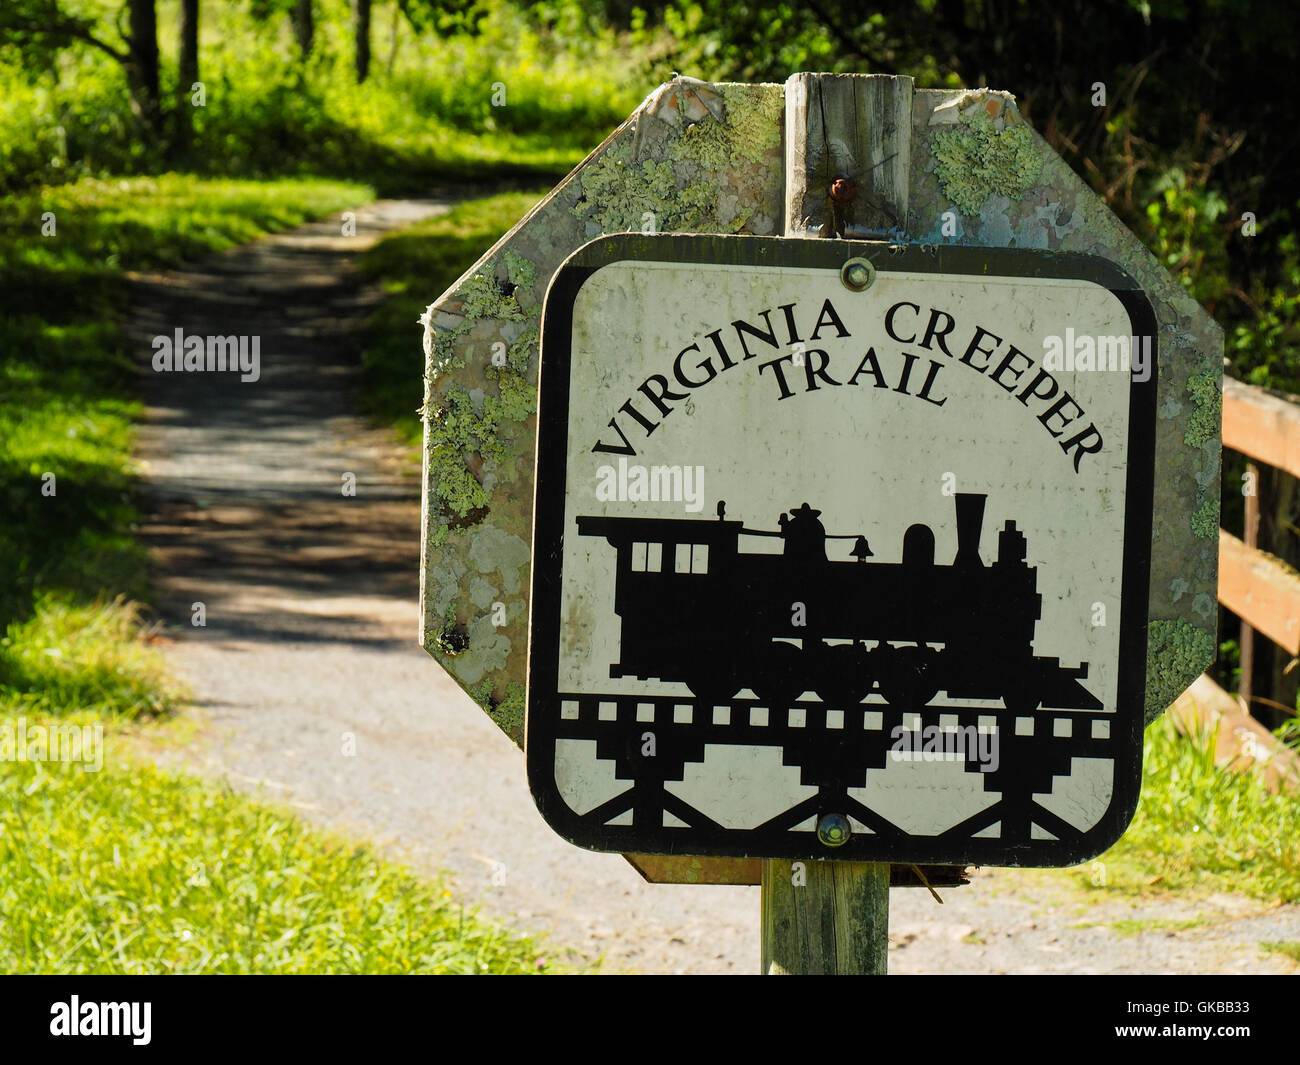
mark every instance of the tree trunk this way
{"type": "Point", "coordinates": [304, 26]}
{"type": "Point", "coordinates": [142, 64]}
{"type": "Point", "coordinates": [362, 24]}
{"type": "Point", "coordinates": [188, 74]}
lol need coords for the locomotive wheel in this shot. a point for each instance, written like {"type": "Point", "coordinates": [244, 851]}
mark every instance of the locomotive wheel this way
{"type": "Point", "coordinates": [845, 679]}
{"type": "Point", "coordinates": [909, 678]}
{"type": "Point", "coordinates": [1020, 701]}
{"type": "Point", "coordinates": [783, 676]}
{"type": "Point", "coordinates": [714, 684]}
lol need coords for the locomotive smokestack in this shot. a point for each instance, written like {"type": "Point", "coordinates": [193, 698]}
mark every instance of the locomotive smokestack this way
{"type": "Point", "coordinates": [970, 520]}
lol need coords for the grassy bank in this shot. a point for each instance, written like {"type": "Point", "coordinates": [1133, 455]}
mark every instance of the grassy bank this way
{"type": "Point", "coordinates": [134, 870]}
{"type": "Point", "coordinates": [1199, 829]}
{"type": "Point", "coordinates": [131, 869]}
{"type": "Point", "coordinates": [67, 408]}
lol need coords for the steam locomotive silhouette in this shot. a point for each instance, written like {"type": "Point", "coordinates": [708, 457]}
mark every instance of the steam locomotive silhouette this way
{"type": "Point", "coordinates": [696, 609]}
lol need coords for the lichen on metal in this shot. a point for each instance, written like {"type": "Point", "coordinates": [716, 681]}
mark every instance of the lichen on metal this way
{"type": "Point", "coordinates": [1205, 522]}
{"type": "Point", "coordinates": [1059, 211]}
{"type": "Point", "coordinates": [752, 125]}
{"type": "Point", "coordinates": [620, 196]}
{"type": "Point", "coordinates": [984, 149]}
{"type": "Point", "coordinates": [464, 447]}
{"type": "Point", "coordinates": [1207, 396]}
{"type": "Point", "coordinates": [684, 190]}
{"type": "Point", "coordinates": [1175, 649]}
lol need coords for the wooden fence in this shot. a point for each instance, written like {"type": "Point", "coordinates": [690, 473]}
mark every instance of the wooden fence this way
{"type": "Point", "coordinates": [1259, 587]}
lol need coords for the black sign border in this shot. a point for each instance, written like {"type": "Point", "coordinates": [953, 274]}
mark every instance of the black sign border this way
{"type": "Point", "coordinates": [548, 533]}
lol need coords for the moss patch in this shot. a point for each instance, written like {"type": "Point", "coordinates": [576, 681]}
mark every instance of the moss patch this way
{"type": "Point", "coordinates": [1176, 653]}
{"type": "Point", "coordinates": [463, 443]}
{"type": "Point", "coordinates": [623, 197]}
{"type": "Point", "coordinates": [1205, 522]}
{"type": "Point", "coordinates": [974, 160]}
{"type": "Point", "coordinates": [752, 127]}
{"type": "Point", "coordinates": [1203, 424]}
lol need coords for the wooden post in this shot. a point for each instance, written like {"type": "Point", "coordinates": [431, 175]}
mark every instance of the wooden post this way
{"type": "Point", "coordinates": [1246, 686]}
{"type": "Point", "coordinates": [847, 153]}
{"type": "Point", "coordinates": [825, 918]}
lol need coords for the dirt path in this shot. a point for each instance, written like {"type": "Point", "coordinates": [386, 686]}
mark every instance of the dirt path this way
{"type": "Point", "coordinates": [311, 689]}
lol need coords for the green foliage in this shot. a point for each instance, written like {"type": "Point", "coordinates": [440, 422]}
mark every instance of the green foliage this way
{"type": "Point", "coordinates": [425, 115]}
{"type": "Point", "coordinates": [132, 870]}
{"type": "Point", "coordinates": [1266, 350]}
{"type": "Point", "coordinates": [67, 409]}
{"type": "Point", "coordinates": [71, 658]}
{"type": "Point", "coordinates": [1185, 230]}
{"type": "Point", "coordinates": [1199, 828]}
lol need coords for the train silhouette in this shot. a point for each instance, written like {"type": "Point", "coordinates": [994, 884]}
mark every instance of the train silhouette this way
{"type": "Point", "coordinates": [696, 609]}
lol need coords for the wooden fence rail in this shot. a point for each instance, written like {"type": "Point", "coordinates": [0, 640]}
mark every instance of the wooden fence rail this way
{"type": "Point", "coordinates": [1258, 587]}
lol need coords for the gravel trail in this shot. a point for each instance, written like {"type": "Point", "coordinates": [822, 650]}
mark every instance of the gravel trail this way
{"type": "Point", "coordinates": [311, 689]}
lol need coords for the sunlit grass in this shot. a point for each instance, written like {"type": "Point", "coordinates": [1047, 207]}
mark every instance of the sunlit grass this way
{"type": "Point", "coordinates": [135, 870]}
{"type": "Point", "coordinates": [1200, 829]}
{"type": "Point", "coordinates": [82, 658]}
{"type": "Point", "coordinates": [67, 412]}
{"type": "Point", "coordinates": [1287, 948]}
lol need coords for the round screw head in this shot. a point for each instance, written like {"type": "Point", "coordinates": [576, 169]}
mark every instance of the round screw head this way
{"type": "Point", "coordinates": [858, 274]}
{"type": "Point", "coordinates": [833, 830]}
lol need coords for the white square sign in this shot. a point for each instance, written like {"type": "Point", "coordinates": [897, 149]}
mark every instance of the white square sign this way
{"type": "Point", "coordinates": [841, 550]}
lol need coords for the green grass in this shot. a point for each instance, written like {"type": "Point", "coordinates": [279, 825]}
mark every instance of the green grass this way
{"type": "Point", "coordinates": [525, 98]}
{"type": "Point", "coordinates": [1287, 948]}
{"type": "Point", "coordinates": [1137, 927]}
{"type": "Point", "coordinates": [87, 658]}
{"type": "Point", "coordinates": [1199, 829]}
{"type": "Point", "coordinates": [67, 484]}
{"type": "Point", "coordinates": [414, 267]}
{"type": "Point", "coordinates": [134, 870]}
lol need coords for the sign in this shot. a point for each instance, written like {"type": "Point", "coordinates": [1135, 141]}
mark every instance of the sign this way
{"type": "Point", "coordinates": [841, 550]}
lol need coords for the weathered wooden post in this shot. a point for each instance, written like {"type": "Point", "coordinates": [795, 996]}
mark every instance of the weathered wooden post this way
{"type": "Point", "coordinates": [874, 679]}
{"type": "Point", "coordinates": [847, 155]}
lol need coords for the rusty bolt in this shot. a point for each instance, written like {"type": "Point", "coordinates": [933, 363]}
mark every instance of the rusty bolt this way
{"type": "Point", "coordinates": [844, 190]}
{"type": "Point", "coordinates": [834, 830]}
{"type": "Point", "coordinates": [858, 274]}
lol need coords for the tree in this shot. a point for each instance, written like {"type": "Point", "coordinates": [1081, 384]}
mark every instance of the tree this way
{"type": "Point", "coordinates": [187, 75]}
{"type": "Point", "coordinates": [304, 25]}
{"type": "Point", "coordinates": [142, 62]}
{"type": "Point", "coordinates": [361, 24]}
{"type": "Point", "coordinates": [45, 24]}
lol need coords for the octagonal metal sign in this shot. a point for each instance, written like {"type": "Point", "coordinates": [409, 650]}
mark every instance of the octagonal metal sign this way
{"type": "Point", "coordinates": [841, 549]}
